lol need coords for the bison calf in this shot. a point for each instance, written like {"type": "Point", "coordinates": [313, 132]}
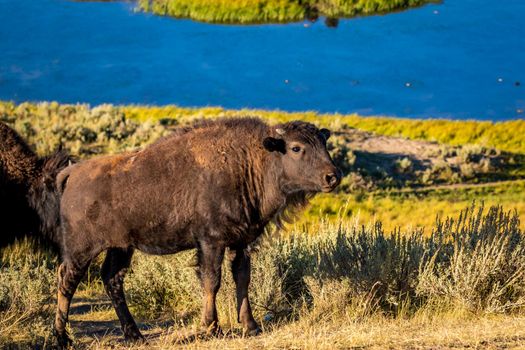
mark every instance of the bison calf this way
{"type": "Point", "coordinates": [212, 186]}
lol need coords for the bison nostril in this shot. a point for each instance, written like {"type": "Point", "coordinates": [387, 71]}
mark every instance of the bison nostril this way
{"type": "Point", "coordinates": [331, 179]}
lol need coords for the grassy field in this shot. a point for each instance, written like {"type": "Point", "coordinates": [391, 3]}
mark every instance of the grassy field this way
{"type": "Point", "coordinates": [375, 265]}
{"type": "Point", "coordinates": [410, 209]}
{"type": "Point", "coordinates": [271, 11]}
{"type": "Point", "coordinates": [348, 286]}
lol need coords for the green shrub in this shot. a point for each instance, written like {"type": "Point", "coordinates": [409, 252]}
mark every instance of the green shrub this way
{"type": "Point", "coordinates": [476, 262]}
{"type": "Point", "coordinates": [83, 130]}
{"type": "Point", "coordinates": [480, 265]}
{"type": "Point", "coordinates": [159, 285]}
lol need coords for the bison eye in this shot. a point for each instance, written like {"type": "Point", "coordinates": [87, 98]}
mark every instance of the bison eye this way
{"type": "Point", "coordinates": [296, 149]}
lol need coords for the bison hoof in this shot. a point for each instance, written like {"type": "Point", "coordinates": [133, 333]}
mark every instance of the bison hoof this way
{"type": "Point", "coordinates": [213, 330]}
{"type": "Point", "coordinates": [246, 332]}
{"type": "Point", "coordinates": [134, 336]}
{"type": "Point", "coordinates": [63, 340]}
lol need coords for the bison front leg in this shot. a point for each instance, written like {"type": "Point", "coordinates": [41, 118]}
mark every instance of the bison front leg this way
{"type": "Point", "coordinates": [210, 258]}
{"type": "Point", "coordinates": [69, 275]}
{"type": "Point", "coordinates": [241, 275]}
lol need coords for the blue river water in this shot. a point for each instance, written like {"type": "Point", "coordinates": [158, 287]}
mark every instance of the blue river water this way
{"type": "Point", "coordinates": [459, 59]}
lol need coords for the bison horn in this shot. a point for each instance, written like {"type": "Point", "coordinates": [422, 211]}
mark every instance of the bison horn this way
{"type": "Point", "coordinates": [280, 131]}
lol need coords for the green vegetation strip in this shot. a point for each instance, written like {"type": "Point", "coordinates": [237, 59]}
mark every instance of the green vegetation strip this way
{"type": "Point", "coordinates": [505, 136]}
{"type": "Point", "coordinates": [87, 131]}
{"type": "Point", "coordinates": [268, 11]}
{"type": "Point", "coordinates": [411, 208]}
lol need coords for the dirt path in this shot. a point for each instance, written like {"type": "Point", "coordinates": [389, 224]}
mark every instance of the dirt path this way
{"type": "Point", "coordinates": [378, 161]}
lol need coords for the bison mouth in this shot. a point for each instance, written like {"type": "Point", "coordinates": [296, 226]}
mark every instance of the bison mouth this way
{"type": "Point", "coordinates": [328, 189]}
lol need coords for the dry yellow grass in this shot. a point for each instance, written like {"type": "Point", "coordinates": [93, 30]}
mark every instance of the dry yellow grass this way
{"type": "Point", "coordinates": [443, 332]}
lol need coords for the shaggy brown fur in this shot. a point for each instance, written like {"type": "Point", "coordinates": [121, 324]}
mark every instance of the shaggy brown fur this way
{"type": "Point", "coordinates": [212, 186]}
{"type": "Point", "coordinates": [28, 201]}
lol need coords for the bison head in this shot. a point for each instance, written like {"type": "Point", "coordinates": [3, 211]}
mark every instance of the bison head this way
{"type": "Point", "coordinates": [306, 164]}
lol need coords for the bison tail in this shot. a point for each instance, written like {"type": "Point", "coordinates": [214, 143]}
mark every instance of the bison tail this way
{"type": "Point", "coordinates": [44, 197]}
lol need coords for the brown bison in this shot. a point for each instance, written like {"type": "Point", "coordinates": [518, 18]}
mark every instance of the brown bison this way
{"type": "Point", "coordinates": [28, 197]}
{"type": "Point", "coordinates": [212, 186]}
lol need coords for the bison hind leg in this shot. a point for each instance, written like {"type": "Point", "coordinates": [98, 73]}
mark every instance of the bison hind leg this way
{"type": "Point", "coordinates": [240, 266]}
{"type": "Point", "coordinates": [210, 258]}
{"type": "Point", "coordinates": [113, 271]}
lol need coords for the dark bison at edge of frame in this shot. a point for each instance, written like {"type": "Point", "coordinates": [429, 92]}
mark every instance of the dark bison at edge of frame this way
{"type": "Point", "coordinates": [28, 197]}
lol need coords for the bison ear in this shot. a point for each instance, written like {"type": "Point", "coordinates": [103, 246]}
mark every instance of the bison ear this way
{"type": "Point", "coordinates": [325, 133]}
{"type": "Point", "coordinates": [272, 144]}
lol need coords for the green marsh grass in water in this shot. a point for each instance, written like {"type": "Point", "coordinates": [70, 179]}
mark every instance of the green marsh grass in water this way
{"type": "Point", "coordinates": [271, 11]}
